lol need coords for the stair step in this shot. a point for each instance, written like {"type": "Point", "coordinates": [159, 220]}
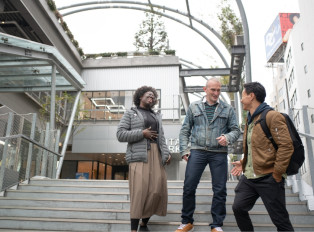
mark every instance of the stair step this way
{"type": "Point", "coordinates": [112, 195]}
{"type": "Point", "coordinates": [125, 183]}
{"type": "Point", "coordinates": [93, 205]}
{"type": "Point", "coordinates": [113, 188]}
{"type": "Point", "coordinates": [123, 204]}
{"type": "Point", "coordinates": [60, 224]}
{"type": "Point", "coordinates": [123, 214]}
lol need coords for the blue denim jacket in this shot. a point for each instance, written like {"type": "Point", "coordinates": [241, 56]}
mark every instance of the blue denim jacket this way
{"type": "Point", "coordinates": [201, 134]}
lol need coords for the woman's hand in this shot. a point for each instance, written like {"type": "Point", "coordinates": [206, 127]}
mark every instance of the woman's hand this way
{"type": "Point", "coordinates": [237, 169]}
{"type": "Point", "coordinates": [149, 134]}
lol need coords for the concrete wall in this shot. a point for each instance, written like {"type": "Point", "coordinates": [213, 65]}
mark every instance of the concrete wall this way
{"type": "Point", "coordinates": [19, 102]}
{"type": "Point", "coordinates": [102, 138]}
{"type": "Point", "coordinates": [131, 73]}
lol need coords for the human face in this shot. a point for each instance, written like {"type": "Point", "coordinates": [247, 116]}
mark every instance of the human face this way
{"type": "Point", "coordinates": [147, 100]}
{"type": "Point", "coordinates": [246, 100]}
{"type": "Point", "coordinates": [295, 19]}
{"type": "Point", "coordinates": [212, 90]}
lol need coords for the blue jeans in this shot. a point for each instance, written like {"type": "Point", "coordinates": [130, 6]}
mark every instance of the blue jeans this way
{"type": "Point", "coordinates": [196, 164]}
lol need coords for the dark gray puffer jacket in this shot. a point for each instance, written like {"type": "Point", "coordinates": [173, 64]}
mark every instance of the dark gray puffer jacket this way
{"type": "Point", "coordinates": [130, 130]}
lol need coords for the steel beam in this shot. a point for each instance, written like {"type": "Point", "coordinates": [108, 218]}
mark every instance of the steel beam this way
{"type": "Point", "coordinates": [204, 72]}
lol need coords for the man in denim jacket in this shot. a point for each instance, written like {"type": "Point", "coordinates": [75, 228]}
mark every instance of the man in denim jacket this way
{"type": "Point", "coordinates": [209, 126]}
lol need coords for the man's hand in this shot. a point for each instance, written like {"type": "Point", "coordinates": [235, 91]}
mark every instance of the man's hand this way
{"type": "Point", "coordinates": [222, 140]}
{"type": "Point", "coordinates": [186, 157]}
{"type": "Point", "coordinates": [237, 169]}
{"type": "Point", "coordinates": [168, 160]}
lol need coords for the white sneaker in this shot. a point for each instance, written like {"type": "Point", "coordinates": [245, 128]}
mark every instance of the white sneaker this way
{"type": "Point", "coordinates": [217, 229]}
{"type": "Point", "coordinates": [185, 228]}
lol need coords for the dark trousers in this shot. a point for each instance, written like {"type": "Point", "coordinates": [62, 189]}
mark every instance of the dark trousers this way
{"type": "Point", "coordinates": [273, 197]}
{"type": "Point", "coordinates": [198, 160]}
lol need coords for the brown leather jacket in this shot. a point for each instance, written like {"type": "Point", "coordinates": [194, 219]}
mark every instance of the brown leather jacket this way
{"type": "Point", "coordinates": [265, 158]}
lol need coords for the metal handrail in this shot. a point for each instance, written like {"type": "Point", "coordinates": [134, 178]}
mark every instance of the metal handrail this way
{"type": "Point", "coordinates": [30, 140]}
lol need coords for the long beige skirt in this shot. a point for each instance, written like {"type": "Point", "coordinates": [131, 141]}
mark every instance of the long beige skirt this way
{"type": "Point", "coordinates": [148, 186]}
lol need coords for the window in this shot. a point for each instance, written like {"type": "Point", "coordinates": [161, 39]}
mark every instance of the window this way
{"type": "Point", "coordinates": [282, 105]}
{"type": "Point", "coordinates": [297, 120]}
{"type": "Point", "coordinates": [293, 99]}
{"type": "Point", "coordinates": [107, 105]}
{"type": "Point", "coordinates": [309, 93]}
{"type": "Point", "coordinates": [302, 47]}
{"type": "Point", "coordinates": [288, 60]}
{"type": "Point", "coordinates": [305, 69]}
{"type": "Point", "coordinates": [281, 92]}
{"type": "Point", "coordinates": [312, 118]}
{"type": "Point", "coordinates": [291, 78]}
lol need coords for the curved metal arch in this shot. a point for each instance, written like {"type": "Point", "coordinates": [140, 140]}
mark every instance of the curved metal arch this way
{"type": "Point", "coordinates": [150, 5]}
{"type": "Point", "coordinates": [162, 14]}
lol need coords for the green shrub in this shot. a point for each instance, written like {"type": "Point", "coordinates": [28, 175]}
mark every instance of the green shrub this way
{"type": "Point", "coordinates": [80, 51]}
{"type": "Point", "coordinates": [122, 53]}
{"type": "Point", "coordinates": [170, 52]}
{"type": "Point", "coordinates": [138, 54]}
{"type": "Point", "coordinates": [106, 54]}
{"type": "Point", "coordinates": [51, 5]}
{"type": "Point", "coordinates": [153, 52]}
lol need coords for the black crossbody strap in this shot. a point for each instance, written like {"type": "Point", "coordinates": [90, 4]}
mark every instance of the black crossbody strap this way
{"type": "Point", "coordinates": [265, 128]}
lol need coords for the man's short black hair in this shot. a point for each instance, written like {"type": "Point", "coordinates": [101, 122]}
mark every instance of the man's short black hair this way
{"type": "Point", "coordinates": [140, 93]}
{"type": "Point", "coordinates": [256, 88]}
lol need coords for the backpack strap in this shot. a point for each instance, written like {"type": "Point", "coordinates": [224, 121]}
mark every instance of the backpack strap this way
{"type": "Point", "coordinates": [265, 128]}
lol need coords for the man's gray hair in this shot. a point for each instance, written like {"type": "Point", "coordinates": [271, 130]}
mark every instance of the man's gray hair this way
{"type": "Point", "coordinates": [213, 79]}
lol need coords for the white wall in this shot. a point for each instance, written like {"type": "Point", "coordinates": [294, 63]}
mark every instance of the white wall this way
{"type": "Point", "coordinates": [165, 78]}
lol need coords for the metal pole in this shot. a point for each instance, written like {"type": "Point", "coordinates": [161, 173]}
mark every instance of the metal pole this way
{"type": "Point", "coordinates": [179, 107]}
{"type": "Point", "coordinates": [55, 157]}
{"type": "Point", "coordinates": [53, 98]}
{"type": "Point", "coordinates": [236, 103]}
{"type": "Point", "coordinates": [67, 136]}
{"type": "Point", "coordinates": [308, 143]}
{"type": "Point", "coordinates": [246, 42]}
{"type": "Point", "coordinates": [30, 150]}
{"type": "Point", "coordinates": [5, 150]}
{"type": "Point", "coordinates": [45, 153]}
{"type": "Point", "coordinates": [39, 155]}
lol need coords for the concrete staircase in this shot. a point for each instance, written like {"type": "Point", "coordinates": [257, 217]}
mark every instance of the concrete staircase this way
{"type": "Point", "coordinates": [89, 205]}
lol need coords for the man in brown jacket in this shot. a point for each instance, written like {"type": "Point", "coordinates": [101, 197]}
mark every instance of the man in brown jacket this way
{"type": "Point", "coordinates": [263, 166]}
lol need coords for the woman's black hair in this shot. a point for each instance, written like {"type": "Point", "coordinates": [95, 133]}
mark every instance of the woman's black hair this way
{"type": "Point", "coordinates": [140, 93]}
{"type": "Point", "coordinates": [256, 88]}
{"type": "Point", "coordinates": [291, 16]}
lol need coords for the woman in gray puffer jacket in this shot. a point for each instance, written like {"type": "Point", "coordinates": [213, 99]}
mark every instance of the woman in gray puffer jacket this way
{"type": "Point", "coordinates": [146, 154]}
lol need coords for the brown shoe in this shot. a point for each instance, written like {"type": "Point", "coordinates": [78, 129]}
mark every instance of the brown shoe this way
{"type": "Point", "coordinates": [185, 228]}
{"type": "Point", "coordinates": [217, 229]}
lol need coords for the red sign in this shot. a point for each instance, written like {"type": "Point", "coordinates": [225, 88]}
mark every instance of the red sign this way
{"type": "Point", "coordinates": [287, 20]}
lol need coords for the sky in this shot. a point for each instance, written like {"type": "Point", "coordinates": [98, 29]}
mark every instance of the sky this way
{"type": "Point", "coordinates": [113, 30]}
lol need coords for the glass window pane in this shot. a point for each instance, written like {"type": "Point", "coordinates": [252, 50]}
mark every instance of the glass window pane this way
{"type": "Point", "coordinates": [108, 172]}
{"type": "Point", "coordinates": [85, 167]}
{"type": "Point", "coordinates": [101, 173]}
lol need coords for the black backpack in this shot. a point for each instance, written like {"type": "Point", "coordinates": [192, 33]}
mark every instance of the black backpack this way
{"type": "Point", "coordinates": [298, 156]}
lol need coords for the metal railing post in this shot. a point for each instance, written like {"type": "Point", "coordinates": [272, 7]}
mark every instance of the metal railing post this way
{"type": "Point", "coordinates": [54, 172]}
{"type": "Point", "coordinates": [39, 155]}
{"type": "Point", "coordinates": [308, 143]}
{"type": "Point", "coordinates": [53, 98]}
{"type": "Point", "coordinates": [45, 153]}
{"type": "Point", "coordinates": [50, 157]}
{"type": "Point", "coordinates": [30, 149]}
{"type": "Point", "coordinates": [5, 149]}
{"type": "Point", "coordinates": [179, 107]}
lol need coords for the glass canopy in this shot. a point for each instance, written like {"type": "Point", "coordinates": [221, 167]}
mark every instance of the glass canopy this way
{"type": "Point", "coordinates": [28, 66]}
